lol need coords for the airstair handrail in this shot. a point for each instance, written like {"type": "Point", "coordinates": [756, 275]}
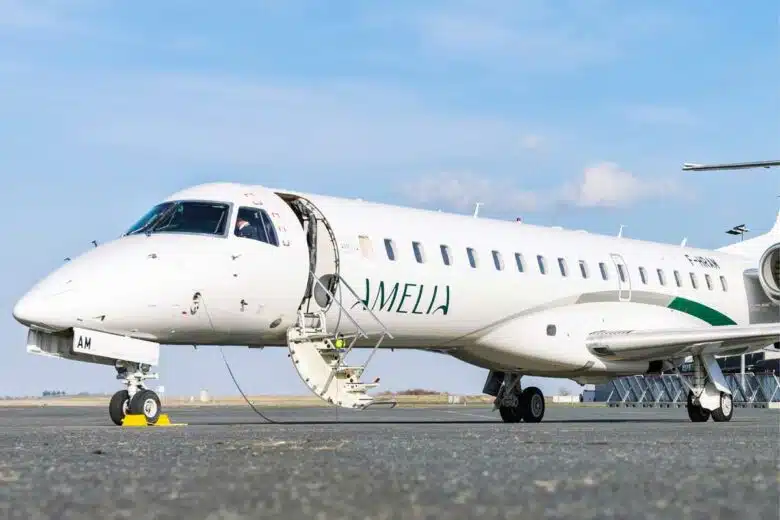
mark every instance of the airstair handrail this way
{"type": "Point", "coordinates": [346, 312]}
{"type": "Point", "coordinates": [373, 315]}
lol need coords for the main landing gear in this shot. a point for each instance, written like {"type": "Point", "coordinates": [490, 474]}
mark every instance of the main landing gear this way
{"type": "Point", "coordinates": [708, 394]}
{"type": "Point", "coordinates": [515, 405]}
{"type": "Point", "coordinates": [697, 413]}
{"type": "Point", "coordinates": [136, 399]}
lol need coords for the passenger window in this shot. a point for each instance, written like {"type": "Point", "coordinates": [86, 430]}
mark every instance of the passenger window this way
{"type": "Point", "coordinates": [661, 277]}
{"type": "Point", "coordinates": [723, 283]}
{"type": "Point", "coordinates": [520, 261]}
{"type": "Point", "coordinates": [390, 248]}
{"type": "Point", "coordinates": [542, 264]}
{"type": "Point", "coordinates": [603, 269]}
{"type": "Point", "coordinates": [693, 281]}
{"type": "Point", "coordinates": [708, 280]}
{"type": "Point", "coordinates": [621, 272]}
{"type": "Point", "coordinates": [365, 246]}
{"type": "Point", "coordinates": [678, 278]}
{"type": "Point", "coordinates": [562, 267]}
{"type": "Point", "coordinates": [445, 254]}
{"type": "Point", "coordinates": [584, 269]}
{"type": "Point", "coordinates": [498, 261]}
{"type": "Point", "coordinates": [643, 275]}
{"type": "Point", "coordinates": [472, 256]}
{"type": "Point", "coordinates": [255, 223]}
{"type": "Point", "coordinates": [418, 252]}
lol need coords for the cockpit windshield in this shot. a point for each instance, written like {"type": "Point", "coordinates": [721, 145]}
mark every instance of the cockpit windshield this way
{"type": "Point", "coordinates": [210, 218]}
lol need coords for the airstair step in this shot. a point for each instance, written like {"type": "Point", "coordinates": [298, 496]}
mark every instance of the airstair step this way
{"type": "Point", "coordinates": [311, 337]}
{"type": "Point", "coordinates": [359, 387]}
{"type": "Point", "coordinates": [327, 350]}
{"type": "Point", "coordinates": [352, 369]}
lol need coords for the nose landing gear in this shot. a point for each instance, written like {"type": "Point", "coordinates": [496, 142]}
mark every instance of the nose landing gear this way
{"type": "Point", "coordinates": [136, 400]}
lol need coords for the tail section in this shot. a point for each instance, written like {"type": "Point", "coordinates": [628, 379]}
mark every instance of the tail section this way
{"type": "Point", "coordinates": [755, 247]}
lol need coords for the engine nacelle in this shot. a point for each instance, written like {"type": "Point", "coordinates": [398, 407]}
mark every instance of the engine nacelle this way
{"type": "Point", "coordinates": [769, 273]}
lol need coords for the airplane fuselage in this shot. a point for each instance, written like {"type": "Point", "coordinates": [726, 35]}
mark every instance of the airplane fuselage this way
{"type": "Point", "coordinates": [501, 295]}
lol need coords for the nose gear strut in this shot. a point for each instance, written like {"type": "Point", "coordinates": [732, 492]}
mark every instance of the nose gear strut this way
{"type": "Point", "coordinates": [136, 399]}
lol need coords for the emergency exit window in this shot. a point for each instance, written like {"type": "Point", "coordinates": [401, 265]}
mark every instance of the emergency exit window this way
{"type": "Point", "coordinates": [365, 246]}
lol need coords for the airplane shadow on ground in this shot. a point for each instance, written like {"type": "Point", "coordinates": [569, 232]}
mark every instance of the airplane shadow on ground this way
{"type": "Point", "coordinates": [294, 423]}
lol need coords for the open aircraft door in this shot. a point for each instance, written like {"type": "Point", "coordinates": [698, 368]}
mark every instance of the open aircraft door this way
{"type": "Point", "coordinates": [324, 261]}
{"type": "Point", "coordinates": [623, 277]}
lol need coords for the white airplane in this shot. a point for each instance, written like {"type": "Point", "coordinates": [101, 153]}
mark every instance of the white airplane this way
{"type": "Point", "coordinates": [230, 264]}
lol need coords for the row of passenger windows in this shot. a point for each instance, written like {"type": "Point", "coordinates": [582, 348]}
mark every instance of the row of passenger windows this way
{"type": "Point", "coordinates": [541, 261]}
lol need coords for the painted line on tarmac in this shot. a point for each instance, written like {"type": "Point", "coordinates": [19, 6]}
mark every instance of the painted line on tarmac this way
{"type": "Point", "coordinates": [468, 414]}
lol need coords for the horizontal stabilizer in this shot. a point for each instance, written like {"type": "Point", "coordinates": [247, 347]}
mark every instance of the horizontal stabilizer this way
{"type": "Point", "coordinates": [638, 345]}
{"type": "Point", "coordinates": [729, 166]}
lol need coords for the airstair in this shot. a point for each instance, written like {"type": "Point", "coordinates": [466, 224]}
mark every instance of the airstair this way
{"type": "Point", "coordinates": [318, 354]}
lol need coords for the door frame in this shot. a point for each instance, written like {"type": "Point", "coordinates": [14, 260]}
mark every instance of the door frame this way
{"type": "Point", "coordinates": [624, 287]}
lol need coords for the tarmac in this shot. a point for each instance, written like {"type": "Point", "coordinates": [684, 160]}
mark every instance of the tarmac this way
{"type": "Point", "coordinates": [405, 463]}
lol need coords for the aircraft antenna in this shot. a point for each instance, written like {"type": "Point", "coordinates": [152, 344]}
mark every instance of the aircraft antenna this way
{"type": "Point", "coordinates": [739, 230]}
{"type": "Point", "coordinates": [620, 232]}
{"type": "Point", "coordinates": [476, 209]}
{"type": "Point", "coordinates": [684, 241]}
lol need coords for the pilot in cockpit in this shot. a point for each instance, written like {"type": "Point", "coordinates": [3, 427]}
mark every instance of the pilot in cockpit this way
{"type": "Point", "coordinates": [245, 229]}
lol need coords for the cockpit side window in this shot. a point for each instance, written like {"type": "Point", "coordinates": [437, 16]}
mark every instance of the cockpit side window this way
{"type": "Point", "coordinates": [255, 223]}
{"type": "Point", "coordinates": [201, 217]}
{"type": "Point", "coordinates": [269, 229]}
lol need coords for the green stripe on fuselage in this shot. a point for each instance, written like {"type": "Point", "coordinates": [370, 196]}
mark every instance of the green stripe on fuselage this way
{"type": "Point", "coordinates": [690, 307]}
{"type": "Point", "coordinates": [708, 314]}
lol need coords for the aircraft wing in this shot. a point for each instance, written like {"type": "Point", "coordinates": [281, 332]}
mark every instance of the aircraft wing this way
{"type": "Point", "coordinates": [637, 345]}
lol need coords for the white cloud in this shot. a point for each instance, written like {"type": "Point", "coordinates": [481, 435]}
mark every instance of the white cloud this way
{"type": "Point", "coordinates": [601, 185]}
{"type": "Point", "coordinates": [607, 185]}
{"type": "Point", "coordinates": [462, 190]}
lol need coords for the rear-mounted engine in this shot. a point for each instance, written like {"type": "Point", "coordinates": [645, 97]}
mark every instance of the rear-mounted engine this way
{"type": "Point", "coordinates": [769, 273]}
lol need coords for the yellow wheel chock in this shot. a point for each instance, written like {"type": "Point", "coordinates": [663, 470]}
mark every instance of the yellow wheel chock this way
{"type": "Point", "coordinates": [140, 420]}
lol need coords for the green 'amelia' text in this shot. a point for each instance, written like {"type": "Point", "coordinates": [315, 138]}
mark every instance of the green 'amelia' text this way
{"type": "Point", "coordinates": [405, 298]}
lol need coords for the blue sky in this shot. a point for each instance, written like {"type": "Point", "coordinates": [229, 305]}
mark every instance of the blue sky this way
{"type": "Point", "coordinates": [565, 113]}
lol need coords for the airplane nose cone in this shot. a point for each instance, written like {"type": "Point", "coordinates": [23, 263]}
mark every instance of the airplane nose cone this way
{"type": "Point", "coordinates": [25, 310]}
{"type": "Point", "coordinates": [39, 310]}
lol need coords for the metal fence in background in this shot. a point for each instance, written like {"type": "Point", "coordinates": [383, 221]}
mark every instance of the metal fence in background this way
{"type": "Point", "coordinates": [666, 390]}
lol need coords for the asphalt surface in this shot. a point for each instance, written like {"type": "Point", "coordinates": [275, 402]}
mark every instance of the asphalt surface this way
{"type": "Point", "coordinates": [453, 462]}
